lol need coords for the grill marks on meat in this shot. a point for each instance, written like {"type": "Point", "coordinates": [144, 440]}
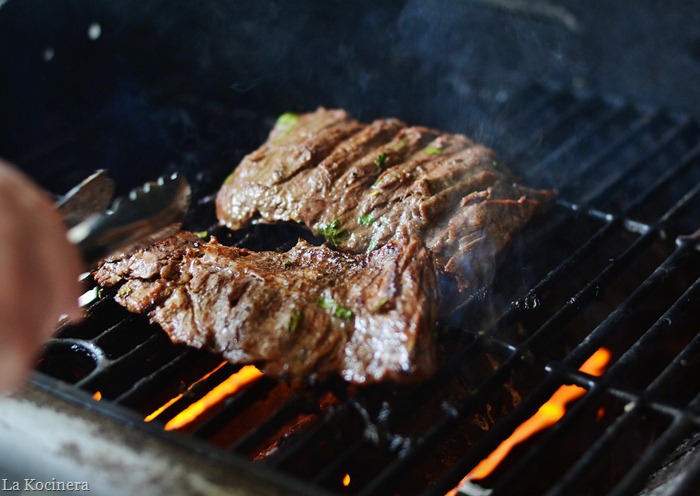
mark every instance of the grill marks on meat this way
{"type": "Point", "coordinates": [300, 315]}
{"type": "Point", "coordinates": [402, 203]}
{"type": "Point", "coordinates": [364, 185]}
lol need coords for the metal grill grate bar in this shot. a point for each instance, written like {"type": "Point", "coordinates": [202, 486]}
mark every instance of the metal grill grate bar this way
{"type": "Point", "coordinates": [551, 133]}
{"type": "Point", "coordinates": [263, 431]}
{"type": "Point", "coordinates": [195, 392]}
{"type": "Point", "coordinates": [682, 422]}
{"type": "Point", "coordinates": [554, 435]}
{"type": "Point", "coordinates": [232, 404]}
{"type": "Point", "coordinates": [524, 116]}
{"type": "Point", "coordinates": [112, 368]}
{"type": "Point", "coordinates": [570, 187]}
{"type": "Point", "coordinates": [546, 388]}
{"type": "Point", "coordinates": [645, 467]}
{"type": "Point", "coordinates": [598, 124]}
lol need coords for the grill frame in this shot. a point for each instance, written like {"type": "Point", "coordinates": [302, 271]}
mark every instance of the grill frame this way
{"type": "Point", "coordinates": [512, 355]}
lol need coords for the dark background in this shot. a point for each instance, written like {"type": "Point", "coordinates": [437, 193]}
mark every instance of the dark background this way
{"type": "Point", "coordinates": [194, 85]}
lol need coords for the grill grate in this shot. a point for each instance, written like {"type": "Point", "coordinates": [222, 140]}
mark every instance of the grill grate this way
{"type": "Point", "coordinates": [615, 265]}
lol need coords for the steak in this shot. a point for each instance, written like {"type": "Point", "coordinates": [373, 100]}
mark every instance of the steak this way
{"type": "Point", "coordinates": [300, 315]}
{"type": "Point", "coordinates": [362, 186]}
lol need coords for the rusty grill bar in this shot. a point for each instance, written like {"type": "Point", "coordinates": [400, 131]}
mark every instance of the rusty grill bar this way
{"type": "Point", "coordinates": [615, 264]}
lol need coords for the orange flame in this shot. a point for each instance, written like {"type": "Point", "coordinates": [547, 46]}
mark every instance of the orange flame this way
{"type": "Point", "coordinates": [546, 416]}
{"type": "Point", "coordinates": [226, 388]}
{"type": "Point", "coordinates": [173, 400]}
{"type": "Point", "coordinates": [97, 396]}
{"type": "Point", "coordinates": [346, 480]}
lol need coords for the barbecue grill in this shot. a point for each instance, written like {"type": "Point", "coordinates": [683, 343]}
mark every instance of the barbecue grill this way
{"type": "Point", "coordinates": [615, 266]}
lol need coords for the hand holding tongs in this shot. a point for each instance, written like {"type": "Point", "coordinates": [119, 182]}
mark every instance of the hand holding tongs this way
{"type": "Point", "coordinates": [101, 227]}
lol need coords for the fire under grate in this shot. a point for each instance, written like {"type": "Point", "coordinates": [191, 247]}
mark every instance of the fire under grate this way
{"type": "Point", "coordinates": [615, 266]}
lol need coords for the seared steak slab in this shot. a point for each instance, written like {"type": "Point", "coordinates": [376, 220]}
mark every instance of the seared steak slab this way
{"type": "Point", "coordinates": [304, 314]}
{"type": "Point", "coordinates": [363, 185]}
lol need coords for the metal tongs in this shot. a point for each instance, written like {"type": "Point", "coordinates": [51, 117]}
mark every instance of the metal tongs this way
{"type": "Point", "coordinates": [101, 226]}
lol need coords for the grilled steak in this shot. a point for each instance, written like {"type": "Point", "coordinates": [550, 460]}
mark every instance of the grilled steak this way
{"type": "Point", "coordinates": [300, 315]}
{"type": "Point", "coordinates": [363, 185]}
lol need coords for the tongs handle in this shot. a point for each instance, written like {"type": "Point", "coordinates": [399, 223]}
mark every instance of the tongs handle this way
{"type": "Point", "coordinates": [147, 214]}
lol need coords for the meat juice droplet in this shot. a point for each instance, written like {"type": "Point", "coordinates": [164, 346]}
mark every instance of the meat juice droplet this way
{"type": "Point", "coordinates": [529, 302]}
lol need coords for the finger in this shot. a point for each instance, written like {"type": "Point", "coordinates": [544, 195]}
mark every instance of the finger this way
{"type": "Point", "coordinates": [39, 270]}
{"type": "Point", "coordinates": [62, 267]}
{"type": "Point", "coordinates": [60, 260]}
{"type": "Point", "coordinates": [18, 334]}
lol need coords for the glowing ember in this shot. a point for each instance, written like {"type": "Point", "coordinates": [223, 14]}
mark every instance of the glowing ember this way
{"type": "Point", "coordinates": [346, 480]}
{"type": "Point", "coordinates": [228, 387]}
{"type": "Point", "coordinates": [173, 400]}
{"type": "Point", "coordinates": [162, 408]}
{"type": "Point", "coordinates": [546, 416]}
{"type": "Point", "coordinates": [97, 396]}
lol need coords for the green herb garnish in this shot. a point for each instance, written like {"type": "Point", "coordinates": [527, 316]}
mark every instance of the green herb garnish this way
{"type": "Point", "coordinates": [432, 150]}
{"type": "Point", "coordinates": [287, 120]}
{"type": "Point", "coordinates": [336, 310]}
{"type": "Point", "coordinates": [342, 312]}
{"type": "Point", "coordinates": [365, 220]}
{"type": "Point", "coordinates": [201, 234]}
{"type": "Point", "coordinates": [380, 304]}
{"type": "Point", "coordinates": [372, 245]}
{"type": "Point", "coordinates": [287, 264]}
{"type": "Point", "coordinates": [285, 123]}
{"type": "Point", "coordinates": [325, 303]}
{"type": "Point", "coordinates": [380, 160]}
{"type": "Point", "coordinates": [295, 320]}
{"type": "Point", "coordinates": [333, 232]}
{"type": "Point", "coordinates": [124, 291]}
